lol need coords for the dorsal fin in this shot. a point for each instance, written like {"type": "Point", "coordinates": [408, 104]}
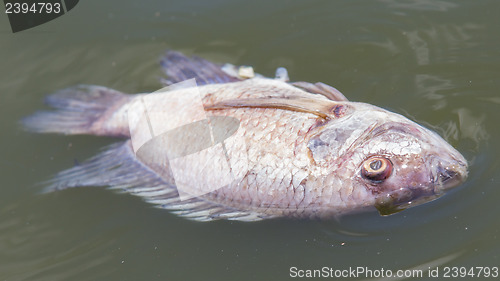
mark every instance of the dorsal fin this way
{"type": "Point", "coordinates": [178, 68]}
{"type": "Point", "coordinates": [322, 89]}
{"type": "Point", "coordinates": [326, 109]}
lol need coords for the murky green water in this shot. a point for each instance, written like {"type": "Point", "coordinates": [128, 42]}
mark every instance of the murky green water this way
{"type": "Point", "coordinates": [437, 62]}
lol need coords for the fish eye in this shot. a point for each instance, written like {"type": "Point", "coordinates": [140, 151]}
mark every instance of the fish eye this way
{"type": "Point", "coordinates": [376, 169]}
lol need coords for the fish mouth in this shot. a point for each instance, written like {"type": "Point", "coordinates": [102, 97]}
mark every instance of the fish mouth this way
{"type": "Point", "coordinates": [445, 174]}
{"type": "Point", "coordinates": [404, 198]}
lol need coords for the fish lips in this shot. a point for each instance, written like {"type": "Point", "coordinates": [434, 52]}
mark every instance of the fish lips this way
{"type": "Point", "coordinates": [448, 173]}
{"type": "Point", "coordinates": [445, 174]}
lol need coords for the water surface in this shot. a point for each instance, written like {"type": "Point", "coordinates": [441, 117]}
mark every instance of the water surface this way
{"type": "Point", "coordinates": [437, 62]}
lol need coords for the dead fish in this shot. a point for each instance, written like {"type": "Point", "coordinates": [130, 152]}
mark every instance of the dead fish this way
{"type": "Point", "coordinates": [251, 149]}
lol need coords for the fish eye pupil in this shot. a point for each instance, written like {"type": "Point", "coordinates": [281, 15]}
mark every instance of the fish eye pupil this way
{"type": "Point", "coordinates": [376, 169]}
{"type": "Point", "coordinates": [376, 165]}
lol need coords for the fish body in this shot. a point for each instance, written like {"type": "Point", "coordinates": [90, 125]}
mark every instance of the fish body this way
{"type": "Point", "coordinates": [275, 149]}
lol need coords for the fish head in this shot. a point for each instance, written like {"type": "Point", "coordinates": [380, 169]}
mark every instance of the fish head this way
{"type": "Point", "coordinates": [392, 162]}
{"type": "Point", "coordinates": [408, 165]}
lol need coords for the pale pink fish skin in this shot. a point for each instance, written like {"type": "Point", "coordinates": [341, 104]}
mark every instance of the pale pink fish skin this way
{"type": "Point", "coordinates": [289, 162]}
{"type": "Point", "coordinates": [281, 179]}
{"type": "Point", "coordinates": [285, 177]}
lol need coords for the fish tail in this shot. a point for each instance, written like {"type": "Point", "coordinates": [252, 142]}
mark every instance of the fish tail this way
{"type": "Point", "coordinates": [83, 109]}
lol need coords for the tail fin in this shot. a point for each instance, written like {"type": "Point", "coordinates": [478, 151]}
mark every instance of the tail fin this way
{"type": "Point", "coordinates": [83, 109]}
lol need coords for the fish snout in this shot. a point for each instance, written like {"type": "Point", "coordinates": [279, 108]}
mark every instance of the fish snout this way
{"type": "Point", "coordinates": [448, 173]}
{"type": "Point", "coordinates": [445, 173]}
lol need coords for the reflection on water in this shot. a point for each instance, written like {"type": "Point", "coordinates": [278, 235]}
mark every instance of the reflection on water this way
{"type": "Point", "coordinates": [468, 125]}
{"type": "Point", "coordinates": [443, 43]}
{"type": "Point", "coordinates": [431, 86]}
{"type": "Point", "coordinates": [422, 270]}
{"type": "Point", "coordinates": [419, 45]}
{"type": "Point", "coordinates": [31, 248]}
{"type": "Point", "coordinates": [423, 5]}
{"type": "Point", "coordinates": [491, 99]}
{"type": "Point", "coordinates": [471, 127]}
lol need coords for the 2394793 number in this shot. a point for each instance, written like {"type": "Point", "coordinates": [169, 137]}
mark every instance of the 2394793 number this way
{"type": "Point", "coordinates": [477, 271]}
{"type": "Point", "coordinates": [24, 8]}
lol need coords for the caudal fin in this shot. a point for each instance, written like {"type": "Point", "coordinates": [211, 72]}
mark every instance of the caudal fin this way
{"type": "Point", "coordinates": [83, 109]}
